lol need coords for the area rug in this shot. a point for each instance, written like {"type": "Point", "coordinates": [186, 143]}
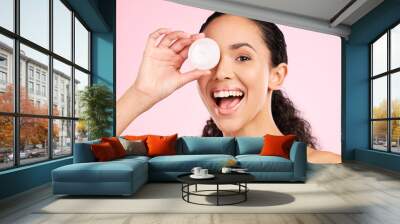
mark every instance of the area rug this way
{"type": "Point", "coordinates": [167, 198]}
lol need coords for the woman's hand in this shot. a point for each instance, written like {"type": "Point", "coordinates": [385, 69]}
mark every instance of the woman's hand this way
{"type": "Point", "coordinates": [159, 74]}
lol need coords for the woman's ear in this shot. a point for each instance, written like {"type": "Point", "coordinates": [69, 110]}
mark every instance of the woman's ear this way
{"type": "Point", "coordinates": [277, 76]}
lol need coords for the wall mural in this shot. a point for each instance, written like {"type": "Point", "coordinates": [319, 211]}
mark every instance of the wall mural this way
{"type": "Point", "coordinates": [196, 72]}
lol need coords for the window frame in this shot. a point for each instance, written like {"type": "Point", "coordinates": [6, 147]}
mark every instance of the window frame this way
{"type": "Point", "coordinates": [16, 115]}
{"type": "Point", "coordinates": [388, 74]}
{"type": "Point", "coordinates": [3, 74]}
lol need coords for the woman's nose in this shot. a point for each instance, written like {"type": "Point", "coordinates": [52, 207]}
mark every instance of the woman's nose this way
{"type": "Point", "coordinates": [223, 71]}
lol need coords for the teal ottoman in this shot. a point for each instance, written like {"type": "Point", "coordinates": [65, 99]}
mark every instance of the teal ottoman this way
{"type": "Point", "coordinates": [118, 177]}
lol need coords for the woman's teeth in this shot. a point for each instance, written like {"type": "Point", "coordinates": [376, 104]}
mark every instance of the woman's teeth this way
{"type": "Point", "coordinates": [221, 94]}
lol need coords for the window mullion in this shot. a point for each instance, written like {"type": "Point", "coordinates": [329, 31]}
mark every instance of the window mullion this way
{"type": "Point", "coordinates": [389, 106]}
{"type": "Point", "coordinates": [73, 83]}
{"type": "Point", "coordinates": [16, 84]}
{"type": "Point", "coordinates": [50, 81]}
{"type": "Point", "coordinates": [371, 99]}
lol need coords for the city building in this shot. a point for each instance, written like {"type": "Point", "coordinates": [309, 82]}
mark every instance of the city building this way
{"type": "Point", "coordinates": [34, 80]}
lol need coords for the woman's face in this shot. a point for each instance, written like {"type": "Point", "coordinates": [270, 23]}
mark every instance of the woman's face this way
{"type": "Point", "coordinates": [236, 91]}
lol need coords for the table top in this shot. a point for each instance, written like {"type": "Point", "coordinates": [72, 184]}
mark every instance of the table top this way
{"type": "Point", "coordinates": [220, 178]}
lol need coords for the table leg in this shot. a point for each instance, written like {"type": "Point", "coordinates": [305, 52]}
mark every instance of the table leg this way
{"type": "Point", "coordinates": [217, 194]}
{"type": "Point", "coordinates": [188, 190]}
{"type": "Point", "coordinates": [196, 188]}
{"type": "Point", "coordinates": [245, 193]}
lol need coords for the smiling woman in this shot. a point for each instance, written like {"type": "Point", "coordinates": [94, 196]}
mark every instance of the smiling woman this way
{"type": "Point", "coordinates": [249, 65]}
{"type": "Point", "coordinates": [245, 98]}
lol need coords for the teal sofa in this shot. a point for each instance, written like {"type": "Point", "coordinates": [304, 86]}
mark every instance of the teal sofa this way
{"type": "Point", "coordinates": [126, 175]}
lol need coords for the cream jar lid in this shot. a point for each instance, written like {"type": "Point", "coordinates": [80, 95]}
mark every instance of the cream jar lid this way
{"type": "Point", "coordinates": [204, 53]}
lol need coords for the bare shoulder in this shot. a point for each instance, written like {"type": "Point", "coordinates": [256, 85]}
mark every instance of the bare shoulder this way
{"type": "Point", "coordinates": [320, 156]}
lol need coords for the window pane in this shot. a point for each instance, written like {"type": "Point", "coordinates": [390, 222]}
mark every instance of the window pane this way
{"type": "Point", "coordinates": [379, 55]}
{"type": "Point", "coordinates": [7, 14]}
{"type": "Point", "coordinates": [395, 47]}
{"type": "Point", "coordinates": [62, 89]}
{"type": "Point", "coordinates": [379, 135]}
{"type": "Point", "coordinates": [379, 97]}
{"type": "Point", "coordinates": [6, 142]}
{"type": "Point", "coordinates": [34, 79]}
{"type": "Point", "coordinates": [395, 136]}
{"type": "Point", "coordinates": [62, 138]}
{"type": "Point", "coordinates": [62, 29]}
{"type": "Point", "coordinates": [35, 21]}
{"type": "Point", "coordinates": [6, 74]}
{"type": "Point", "coordinates": [81, 131]}
{"type": "Point", "coordinates": [33, 140]}
{"type": "Point", "coordinates": [81, 81]}
{"type": "Point", "coordinates": [395, 94]}
{"type": "Point", "coordinates": [81, 45]}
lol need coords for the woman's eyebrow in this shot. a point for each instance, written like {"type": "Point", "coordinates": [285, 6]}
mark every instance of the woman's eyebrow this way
{"type": "Point", "coordinates": [239, 45]}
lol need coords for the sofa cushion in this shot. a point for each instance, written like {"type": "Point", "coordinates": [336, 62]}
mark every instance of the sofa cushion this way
{"type": "Point", "coordinates": [103, 152]}
{"type": "Point", "coordinates": [116, 145]}
{"type": "Point", "coordinates": [190, 145]}
{"type": "Point", "coordinates": [135, 137]}
{"type": "Point", "coordinates": [185, 163]}
{"type": "Point", "coordinates": [83, 152]}
{"type": "Point", "coordinates": [275, 145]}
{"type": "Point", "coordinates": [249, 145]}
{"type": "Point", "coordinates": [111, 171]}
{"type": "Point", "coordinates": [132, 158]}
{"type": "Point", "coordinates": [161, 145]}
{"type": "Point", "coordinates": [257, 163]}
{"type": "Point", "coordinates": [134, 147]}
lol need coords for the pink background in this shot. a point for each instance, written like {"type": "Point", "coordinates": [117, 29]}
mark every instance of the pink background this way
{"type": "Point", "coordinates": [313, 82]}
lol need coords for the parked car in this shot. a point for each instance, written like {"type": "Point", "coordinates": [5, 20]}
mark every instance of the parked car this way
{"type": "Point", "coordinates": [57, 152]}
{"type": "Point", "coordinates": [38, 152]}
{"type": "Point", "coordinates": [22, 155]}
{"type": "Point", "coordinates": [10, 156]}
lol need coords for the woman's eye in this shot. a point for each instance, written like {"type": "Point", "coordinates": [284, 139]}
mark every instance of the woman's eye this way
{"type": "Point", "coordinates": [243, 58]}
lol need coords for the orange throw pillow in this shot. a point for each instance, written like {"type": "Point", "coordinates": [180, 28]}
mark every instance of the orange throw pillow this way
{"type": "Point", "coordinates": [135, 138]}
{"type": "Point", "coordinates": [277, 145]}
{"type": "Point", "coordinates": [103, 151]}
{"type": "Point", "coordinates": [116, 145]}
{"type": "Point", "coordinates": [161, 145]}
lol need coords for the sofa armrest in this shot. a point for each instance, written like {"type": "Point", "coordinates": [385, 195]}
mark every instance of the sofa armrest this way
{"type": "Point", "coordinates": [298, 155]}
{"type": "Point", "coordinates": [83, 152]}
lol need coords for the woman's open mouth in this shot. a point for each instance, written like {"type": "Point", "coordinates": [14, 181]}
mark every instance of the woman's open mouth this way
{"type": "Point", "coordinates": [227, 101]}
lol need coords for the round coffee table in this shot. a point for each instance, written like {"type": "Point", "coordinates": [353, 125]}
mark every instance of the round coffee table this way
{"type": "Point", "coordinates": [238, 179]}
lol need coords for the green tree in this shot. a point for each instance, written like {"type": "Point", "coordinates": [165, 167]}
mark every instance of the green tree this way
{"type": "Point", "coordinates": [97, 103]}
{"type": "Point", "coordinates": [380, 127]}
{"type": "Point", "coordinates": [395, 123]}
{"type": "Point", "coordinates": [33, 130]}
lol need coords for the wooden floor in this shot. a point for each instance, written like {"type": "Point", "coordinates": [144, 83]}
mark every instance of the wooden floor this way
{"type": "Point", "coordinates": [378, 188]}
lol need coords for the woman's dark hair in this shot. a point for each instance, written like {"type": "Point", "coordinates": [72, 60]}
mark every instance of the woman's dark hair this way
{"type": "Point", "coordinates": [285, 115]}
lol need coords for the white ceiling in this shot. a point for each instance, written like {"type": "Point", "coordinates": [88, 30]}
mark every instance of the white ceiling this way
{"type": "Point", "coordinates": [320, 9]}
{"type": "Point", "coordinates": [326, 16]}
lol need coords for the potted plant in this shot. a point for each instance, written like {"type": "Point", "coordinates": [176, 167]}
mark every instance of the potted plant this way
{"type": "Point", "coordinates": [96, 103]}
